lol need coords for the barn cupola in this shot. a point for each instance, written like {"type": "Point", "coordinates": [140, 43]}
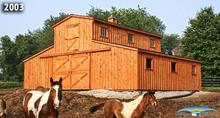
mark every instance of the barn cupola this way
{"type": "Point", "coordinates": [112, 19]}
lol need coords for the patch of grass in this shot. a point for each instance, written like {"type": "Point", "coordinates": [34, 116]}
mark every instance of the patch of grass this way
{"type": "Point", "coordinates": [5, 85]}
{"type": "Point", "coordinates": [211, 88]}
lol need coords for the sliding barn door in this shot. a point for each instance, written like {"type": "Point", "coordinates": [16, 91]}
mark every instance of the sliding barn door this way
{"type": "Point", "coordinates": [74, 69]}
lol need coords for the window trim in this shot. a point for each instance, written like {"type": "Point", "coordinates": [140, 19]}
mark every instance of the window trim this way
{"type": "Point", "coordinates": [151, 39]}
{"type": "Point", "coordinates": [194, 66]}
{"type": "Point", "coordinates": [107, 33]}
{"type": "Point", "coordinates": [151, 63]}
{"type": "Point", "coordinates": [171, 68]}
{"type": "Point", "coordinates": [132, 41]}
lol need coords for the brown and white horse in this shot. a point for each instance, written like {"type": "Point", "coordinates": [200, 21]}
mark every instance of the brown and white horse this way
{"type": "Point", "coordinates": [133, 109]}
{"type": "Point", "coordinates": [3, 111]}
{"type": "Point", "coordinates": [38, 104]}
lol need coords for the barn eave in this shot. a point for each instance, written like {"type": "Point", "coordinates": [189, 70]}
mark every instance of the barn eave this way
{"type": "Point", "coordinates": [48, 48]}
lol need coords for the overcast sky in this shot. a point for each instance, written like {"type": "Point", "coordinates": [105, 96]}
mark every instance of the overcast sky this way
{"type": "Point", "coordinates": [175, 14]}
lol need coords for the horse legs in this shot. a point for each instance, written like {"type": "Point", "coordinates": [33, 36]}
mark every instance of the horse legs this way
{"type": "Point", "coordinates": [119, 115]}
{"type": "Point", "coordinates": [109, 115]}
{"type": "Point", "coordinates": [54, 114]}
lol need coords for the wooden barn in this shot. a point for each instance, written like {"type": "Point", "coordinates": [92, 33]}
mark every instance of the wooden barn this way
{"type": "Point", "coordinates": [95, 54]}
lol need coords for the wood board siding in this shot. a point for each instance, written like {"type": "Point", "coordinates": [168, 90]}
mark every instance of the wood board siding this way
{"type": "Point", "coordinates": [73, 34]}
{"type": "Point", "coordinates": [161, 77]}
{"type": "Point", "coordinates": [87, 61]}
{"type": "Point", "coordinates": [37, 72]}
{"type": "Point", "coordinates": [115, 69]}
{"type": "Point", "coordinates": [119, 36]}
{"type": "Point", "coordinates": [74, 69]}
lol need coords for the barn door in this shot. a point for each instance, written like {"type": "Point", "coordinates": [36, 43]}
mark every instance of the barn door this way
{"type": "Point", "coordinates": [72, 37]}
{"type": "Point", "coordinates": [74, 69]}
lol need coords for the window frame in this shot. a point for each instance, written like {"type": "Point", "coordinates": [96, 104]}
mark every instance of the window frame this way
{"type": "Point", "coordinates": [106, 32]}
{"type": "Point", "coordinates": [152, 40]}
{"type": "Point", "coordinates": [151, 63]}
{"type": "Point", "coordinates": [132, 40]}
{"type": "Point", "coordinates": [175, 67]}
{"type": "Point", "coordinates": [193, 69]}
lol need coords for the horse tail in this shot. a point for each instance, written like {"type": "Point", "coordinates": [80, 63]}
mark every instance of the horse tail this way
{"type": "Point", "coordinates": [96, 107]}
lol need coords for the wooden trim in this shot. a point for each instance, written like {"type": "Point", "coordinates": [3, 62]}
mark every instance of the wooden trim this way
{"type": "Point", "coordinates": [115, 45]}
{"type": "Point", "coordinates": [168, 56]}
{"type": "Point", "coordinates": [106, 22]}
{"type": "Point", "coordinates": [72, 25]}
{"type": "Point", "coordinates": [76, 52]}
{"type": "Point", "coordinates": [127, 28]}
{"type": "Point", "coordinates": [48, 48]}
{"type": "Point", "coordinates": [70, 16]}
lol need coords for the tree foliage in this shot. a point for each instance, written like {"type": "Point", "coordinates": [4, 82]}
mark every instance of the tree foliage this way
{"type": "Point", "coordinates": [201, 41]}
{"type": "Point", "coordinates": [169, 42]}
{"type": "Point", "coordinates": [135, 18]}
{"type": "Point", "coordinates": [13, 52]}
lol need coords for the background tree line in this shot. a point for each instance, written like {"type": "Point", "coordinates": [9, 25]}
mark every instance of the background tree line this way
{"type": "Point", "coordinates": [201, 39]}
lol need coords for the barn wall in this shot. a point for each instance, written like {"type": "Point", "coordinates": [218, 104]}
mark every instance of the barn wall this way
{"type": "Point", "coordinates": [118, 35]}
{"type": "Point", "coordinates": [161, 77]}
{"type": "Point", "coordinates": [115, 69]}
{"type": "Point", "coordinates": [73, 34]}
{"type": "Point", "coordinates": [37, 71]}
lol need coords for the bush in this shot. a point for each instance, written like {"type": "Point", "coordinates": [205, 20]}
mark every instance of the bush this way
{"type": "Point", "coordinates": [4, 85]}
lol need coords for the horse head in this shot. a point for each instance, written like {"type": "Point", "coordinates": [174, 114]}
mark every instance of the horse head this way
{"type": "Point", "coordinates": [150, 98]}
{"type": "Point", "coordinates": [56, 92]}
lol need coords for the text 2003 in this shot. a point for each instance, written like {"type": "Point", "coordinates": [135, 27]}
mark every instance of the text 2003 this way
{"type": "Point", "coordinates": [12, 7]}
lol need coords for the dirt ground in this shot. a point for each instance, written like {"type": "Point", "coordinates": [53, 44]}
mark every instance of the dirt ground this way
{"type": "Point", "coordinates": [77, 106]}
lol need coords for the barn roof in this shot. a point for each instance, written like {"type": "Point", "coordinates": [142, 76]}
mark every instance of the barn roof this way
{"type": "Point", "coordinates": [169, 56]}
{"type": "Point", "coordinates": [106, 22]}
{"type": "Point", "coordinates": [149, 52]}
{"type": "Point", "coordinates": [44, 50]}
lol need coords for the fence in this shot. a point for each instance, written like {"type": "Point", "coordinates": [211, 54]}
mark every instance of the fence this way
{"type": "Point", "coordinates": [211, 82]}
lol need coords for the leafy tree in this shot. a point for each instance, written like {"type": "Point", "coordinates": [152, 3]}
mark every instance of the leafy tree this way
{"type": "Point", "coordinates": [201, 41]}
{"type": "Point", "coordinates": [14, 52]}
{"type": "Point", "coordinates": [44, 37]}
{"type": "Point", "coordinates": [8, 58]}
{"type": "Point", "coordinates": [135, 18]}
{"type": "Point", "coordinates": [169, 42]}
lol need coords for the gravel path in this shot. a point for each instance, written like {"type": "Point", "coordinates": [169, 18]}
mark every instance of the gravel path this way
{"type": "Point", "coordinates": [100, 93]}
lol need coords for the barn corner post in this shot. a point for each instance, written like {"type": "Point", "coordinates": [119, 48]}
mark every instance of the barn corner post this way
{"type": "Point", "coordinates": [95, 54]}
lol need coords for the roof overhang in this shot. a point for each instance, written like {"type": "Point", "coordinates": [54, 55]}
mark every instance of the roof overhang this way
{"type": "Point", "coordinates": [168, 56]}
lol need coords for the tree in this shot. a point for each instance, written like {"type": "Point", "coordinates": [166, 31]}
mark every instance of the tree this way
{"type": "Point", "coordinates": [169, 42]}
{"type": "Point", "coordinates": [14, 52]}
{"type": "Point", "coordinates": [201, 41]}
{"type": "Point", "coordinates": [8, 58]}
{"type": "Point", "coordinates": [44, 37]}
{"type": "Point", "coordinates": [135, 18]}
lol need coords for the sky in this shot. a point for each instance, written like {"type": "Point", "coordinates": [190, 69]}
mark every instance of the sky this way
{"type": "Point", "coordinates": [175, 14]}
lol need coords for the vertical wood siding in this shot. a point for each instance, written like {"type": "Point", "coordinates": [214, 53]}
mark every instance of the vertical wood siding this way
{"type": "Point", "coordinates": [37, 72]}
{"type": "Point", "coordinates": [115, 69]}
{"type": "Point", "coordinates": [120, 36]}
{"type": "Point", "coordinates": [161, 77]}
{"type": "Point", "coordinates": [73, 34]}
{"type": "Point", "coordinates": [121, 68]}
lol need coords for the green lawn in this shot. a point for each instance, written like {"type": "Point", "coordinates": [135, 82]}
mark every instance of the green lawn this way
{"type": "Point", "coordinates": [5, 85]}
{"type": "Point", "coordinates": [211, 89]}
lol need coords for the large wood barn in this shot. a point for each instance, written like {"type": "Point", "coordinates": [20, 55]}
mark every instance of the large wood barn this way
{"type": "Point", "coordinates": [95, 54]}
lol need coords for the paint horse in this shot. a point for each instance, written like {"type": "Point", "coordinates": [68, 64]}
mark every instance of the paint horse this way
{"type": "Point", "coordinates": [2, 108]}
{"type": "Point", "coordinates": [38, 104]}
{"type": "Point", "coordinates": [133, 109]}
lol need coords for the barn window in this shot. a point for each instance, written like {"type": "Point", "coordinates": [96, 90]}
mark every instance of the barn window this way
{"type": "Point", "coordinates": [193, 69]}
{"type": "Point", "coordinates": [104, 32]}
{"type": "Point", "coordinates": [173, 66]}
{"type": "Point", "coordinates": [152, 43]}
{"type": "Point", "coordinates": [148, 63]}
{"type": "Point", "coordinates": [130, 38]}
